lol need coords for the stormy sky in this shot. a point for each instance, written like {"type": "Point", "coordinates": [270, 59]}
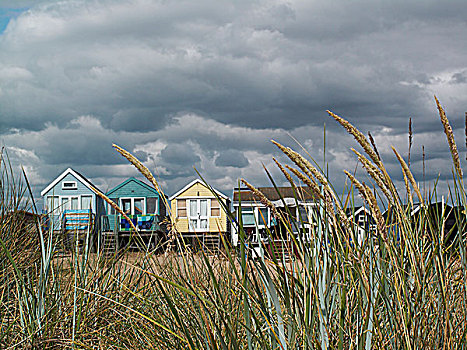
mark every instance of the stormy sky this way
{"type": "Point", "coordinates": [207, 84]}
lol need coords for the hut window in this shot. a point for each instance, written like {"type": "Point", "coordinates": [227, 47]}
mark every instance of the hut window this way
{"type": "Point", "coordinates": [126, 206]}
{"type": "Point", "coordinates": [66, 205]}
{"type": "Point", "coordinates": [53, 205]}
{"type": "Point", "coordinates": [248, 216]}
{"type": "Point", "coordinates": [69, 203]}
{"type": "Point", "coordinates": [138, 206]}
{"type": "Point", "coordinates": [86, 202]}
{"type": "Point", "coordinates": [303, 210]}
{"type": "Point", "coordinates": [215, 208]}
{"type": "Point", "coordinates": [132, 206]}
{"type": "Point", "coordinates": [74, 203]}
{"type": "Point", "coordinates": [181, 208]}
{"type": "Point", "coordinates": [69, 185]}
{"type": "Point", "coordinates": [152, 205]}
{"type": "Point", "coordinates": [263, 216]}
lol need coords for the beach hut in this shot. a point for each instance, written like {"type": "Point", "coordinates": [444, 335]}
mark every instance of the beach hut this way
{"type": "Point", "coordinates": [262, 229]}
{"type": "Point", "coordinates": [198, 214]}
{"type": "Point", "coordinates": [72, 205]}
{"type": "Point", "coordinates": [146, 209]}
{"type": "Point", "coordinates": [363, 221]}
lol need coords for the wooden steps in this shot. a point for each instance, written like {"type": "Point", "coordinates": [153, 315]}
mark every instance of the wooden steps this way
{"type": "Point", "coordinates": [109, 243]}
{"type": "Point", "coordinates": [211, 243]}
{"type": "Point", "coordinates": [280, 249]}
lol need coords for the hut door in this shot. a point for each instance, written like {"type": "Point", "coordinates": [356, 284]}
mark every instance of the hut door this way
{"type": "Point", "coordinates": [198, 214]}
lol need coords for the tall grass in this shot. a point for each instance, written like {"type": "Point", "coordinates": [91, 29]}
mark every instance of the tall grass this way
{"type": "Point", "coordinates": [402, 286]}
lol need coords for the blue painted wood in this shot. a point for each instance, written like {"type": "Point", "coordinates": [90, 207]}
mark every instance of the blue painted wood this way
{"type": "Point", "coordinates": [133, 188]}
{"type": "Point", "coordinates": [81, 189]}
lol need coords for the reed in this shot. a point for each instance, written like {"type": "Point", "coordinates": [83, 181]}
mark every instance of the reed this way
{"type": "Point", "coordinates": [408, 174]}
{"type": "Point", "coordinates": [359, 137]}
{"type": "Point", "coordinates": [374, 173]}
{"type": "Point", "coordinates": [307, 181]}
{"type": "Point", "coordinates": [410, 141]}
{"type": "Point", "coordinates": [373, 144]}
{"type": "Point", "coordinates": [116, 207]}
{"type": "Point", "coordinates": [450, 137]}
{"type": "Point", "coordinates": [286, 174]}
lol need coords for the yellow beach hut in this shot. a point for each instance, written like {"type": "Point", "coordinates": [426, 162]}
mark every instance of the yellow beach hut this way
{"type": "Point", "coordinates": [199, 215]}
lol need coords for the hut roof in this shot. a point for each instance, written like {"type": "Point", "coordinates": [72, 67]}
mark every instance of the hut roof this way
{"type": "Point", "coordinates": [273, 194]}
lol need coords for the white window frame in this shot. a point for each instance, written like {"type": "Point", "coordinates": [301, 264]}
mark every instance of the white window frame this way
{"type": "Point", "coordinates": [74, 185]}
{"type": "Point", "coordinates": [256, 213]}
{"type": "Point", "coordinates": [309, 214]}
{"type": "Point", "coordinates": [250, 209]}
{"type": "Point", "coordinates": [310, 219]}
{"type": "Point", "coordinates": [81, 198]}
{"type": "Point", "coordinates": [109, 207]}
{"type": "Point", "coordinates": [132, 205]}
{"type": "Point", "coordinates": [68, 198]}
{"type": "Point", "coordinates": [198, 216]}
{"type": "Point", "coordinates": [56, 205]}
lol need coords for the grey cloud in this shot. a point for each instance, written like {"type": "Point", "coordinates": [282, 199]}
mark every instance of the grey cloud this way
{"type": "Point", "coordinates": [220, 79]}
{"type": "Point", "coordinates": [134, 64]}
{"type": "Point", "coordinates": [82, 142]}
{"type": "Point", "coordinates": [231, 158]}
{"type": "Point", "coordinates": [459, 78]}
{"type": "Point", "coordinates": [179, 160]}
{"type": "Point", "coordinates": [177, 153]}
{"type": "Point", "coordinates": [174, 155]}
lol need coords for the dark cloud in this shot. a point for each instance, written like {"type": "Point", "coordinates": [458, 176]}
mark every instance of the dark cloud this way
{"type": "Point", "coordinates": [261, 64]}
{"type": "Point", "coordinates": [179, 154]}
{"type": "Point", "coordinates": [209, 83]}
{"type": "Point", "coordinates": [179, 159]}
{"type": "Point", "coordinates": [231, 158]}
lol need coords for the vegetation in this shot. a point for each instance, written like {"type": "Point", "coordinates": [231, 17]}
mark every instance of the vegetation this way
{"type": "Point", "coordinates": [404, 286]}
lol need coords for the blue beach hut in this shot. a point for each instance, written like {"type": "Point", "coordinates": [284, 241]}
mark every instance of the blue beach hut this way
{"type": "Point", "coordinates": [72, 204]}
{"type": "Point", "coordinates": [143, 205]}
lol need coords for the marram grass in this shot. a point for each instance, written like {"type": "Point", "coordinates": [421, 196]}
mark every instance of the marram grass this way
{"type": "Point", "coordinates": [402, 286]}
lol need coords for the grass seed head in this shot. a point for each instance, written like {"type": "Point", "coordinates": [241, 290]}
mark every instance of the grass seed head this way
{"type": "Point", "coordinates": [373, 144]}
{"type": "Point", "coordinates": [116, 207]}
{"type": "Point", "coordinates": [286, 174]}
{"type": "Point", "coordinates": [361, 139]}
{"type": "Point", "coordinates": [143, 170]}
{"type": "Point", "coordinates": [302, 163]}
{"type": "Point", "coordinates": [262, 198]}
{"type": "Point", "coordinates": [309, 182]}
{"type": "Point", "coordinates": [374, 172]}
{"type": "Point", "coordinates": [368, 197]}
{"type": "Point", "coordinates": [408, 174]}
{"type": "Point", "coordinates": [450, 137]}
